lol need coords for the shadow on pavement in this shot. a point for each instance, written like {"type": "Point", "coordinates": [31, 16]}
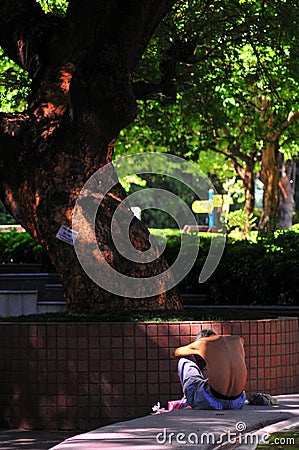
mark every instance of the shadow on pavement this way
{"type": "Point", "coordinates": [32, 440]}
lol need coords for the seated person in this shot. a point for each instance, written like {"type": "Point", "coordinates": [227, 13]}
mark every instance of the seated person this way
{"type": "Point", "coordinates": [224, 359]}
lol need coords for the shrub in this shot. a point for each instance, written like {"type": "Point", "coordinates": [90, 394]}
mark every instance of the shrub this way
{"type": "Point", "coordinates": [262, 272]}
{"type": "Point", "coordinates": [22, 248]}
{"type": "Point", "coordinates": [265, 272]}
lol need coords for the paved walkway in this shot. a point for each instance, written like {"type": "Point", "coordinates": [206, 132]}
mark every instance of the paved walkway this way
{"type": "Point", "coordinates": [32, 439]}
{"type": "Point", "coordinates": [200, 429]}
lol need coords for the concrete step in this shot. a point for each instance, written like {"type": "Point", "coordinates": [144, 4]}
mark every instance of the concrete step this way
{"type": "Point", "coordinates": [193, 299]}
{"type": "Point", "coordinates": [20, 268]}
{"type": "Point", "coordinates": [18, 302]}
{"type": "Point", "coordinates": [50, 306]}
{"type": "Point", "coordinates": [28, 281]}
{"type": "Point", "coordinates": [53, 292]}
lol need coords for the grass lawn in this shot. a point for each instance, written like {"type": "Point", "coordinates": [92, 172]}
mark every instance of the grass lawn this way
{"type": "Point", "coordinates": [288, 439]}
{"type": "Point", "coordinates": [164, 232]}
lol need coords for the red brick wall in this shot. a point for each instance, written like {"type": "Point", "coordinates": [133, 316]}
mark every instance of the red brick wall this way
{"type": "Point", "coordinates": [85, 375]}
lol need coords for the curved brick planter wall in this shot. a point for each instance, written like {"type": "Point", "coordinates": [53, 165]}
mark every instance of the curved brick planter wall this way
{"type": "Point", "coordinates": [67, 376]}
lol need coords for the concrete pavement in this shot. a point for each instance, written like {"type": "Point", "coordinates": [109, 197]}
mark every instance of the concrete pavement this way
{"type": "Point", "coordinates": [31, 439]}
{"type": "Point", "coordinates": [200, 429]}
{"type": "Point", "coordinates": [204, 430]}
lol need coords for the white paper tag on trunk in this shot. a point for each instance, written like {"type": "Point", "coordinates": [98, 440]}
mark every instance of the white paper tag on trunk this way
{"type": "Point", "coordinates": [67, 235]}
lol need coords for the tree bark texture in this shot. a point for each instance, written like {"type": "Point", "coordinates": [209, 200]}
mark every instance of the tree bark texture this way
{"type": "Point", "coordinates": [286, 196]}
{"type": "Point", "coordinates": [248, 180]}
{"type": "Point", "coordinates": [81, 68]}
{"type": "Point", "coordinates": [270, 179]}
{"type": "Point", "coordinates": [270, 166]}
{"type": "Point", "coordinates": [247, 176]}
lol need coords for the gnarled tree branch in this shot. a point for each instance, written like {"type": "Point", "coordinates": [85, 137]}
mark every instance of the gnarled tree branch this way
{"type": "Point", "coordinates": [126, 24]}
{"type": "Point", "coordinates": [14, 138]}
{"type": "Point", "coordinates": [25, 32]}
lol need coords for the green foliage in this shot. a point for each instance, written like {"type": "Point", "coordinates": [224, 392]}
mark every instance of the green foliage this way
{"type": "Point", "coordinates": [287, 439]}
{"type": "Point", "coordinates": [156, 217]}
{"type": "Point", "coordinates": [130, 180]}
{"type": "Point", "coordinates": [5, 217]}
{"type": "Point", "coordinates": [14, 81]}
{"type": "Point", "coordinates": [265, 272]}
{"type": "Point", "coordinates": [14, 85]}
{"type": "Point", "coordinates": [238, 219]}
{"type": "Point", "coordinates": [22, 248]}
{"type": "Point", "coordinates": [295, 227]}
{"type": "Point", "coordinates": [236, 67]}
{"type": "Point", "coordinates": [58, 7]}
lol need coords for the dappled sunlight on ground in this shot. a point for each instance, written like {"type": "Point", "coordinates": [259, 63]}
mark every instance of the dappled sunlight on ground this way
{"type": "Point", "coordinates": [199, 428]}
{"type": "Point", "coordinates": [31, 440]}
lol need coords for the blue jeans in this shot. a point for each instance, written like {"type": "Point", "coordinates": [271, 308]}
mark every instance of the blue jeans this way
{"type": "Point", "coordinates": [197, 389]}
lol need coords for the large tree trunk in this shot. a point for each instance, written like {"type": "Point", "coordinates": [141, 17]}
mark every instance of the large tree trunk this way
{"type": "Point", "coordinates": [270, 165]}
{"type": "Point", "coordinates": [81, 98]}
{"type": "Point", "coordinates": [248, 181]}
{"type": "Point", "coordinates": [270, 179]}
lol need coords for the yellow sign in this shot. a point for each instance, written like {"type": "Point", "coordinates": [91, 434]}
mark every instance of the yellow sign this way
{"type": "Point", "coordinates": [202, 206]}
{"type": "Point", "coordinates": [207, 206]}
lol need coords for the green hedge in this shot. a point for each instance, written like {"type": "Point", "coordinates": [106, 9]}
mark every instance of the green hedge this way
{"type": "Point", "coordinates": [22, 248]}
{"type": "Point", "coordinates": [265, 272]}
{"type": "Point", "coordinates": [262, 272]}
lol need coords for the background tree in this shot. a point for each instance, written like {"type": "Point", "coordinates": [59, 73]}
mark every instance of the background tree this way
{"type": "Point", "coordinates": [287, 194]}
{"type": "Point", "coordinates": [222, 85]}
{"type": "Point", "coordinates": [260, 122]}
